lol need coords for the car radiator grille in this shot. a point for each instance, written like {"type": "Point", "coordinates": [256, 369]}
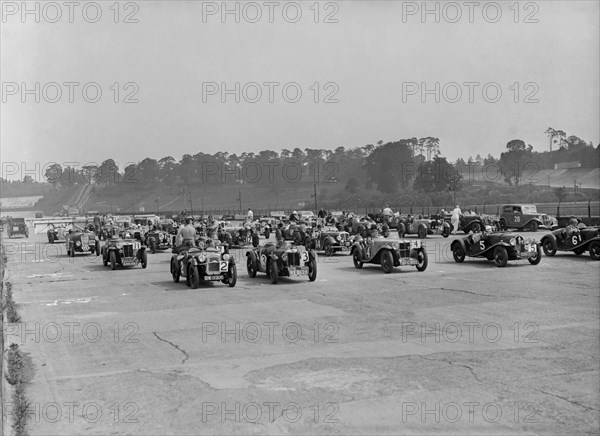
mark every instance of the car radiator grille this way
{"type": "Point", "coordinates": [213, 266]}
{"type": "Point", "coordinates": [294, 259]}
{"type": "Point", "coordinates": [128, 250]}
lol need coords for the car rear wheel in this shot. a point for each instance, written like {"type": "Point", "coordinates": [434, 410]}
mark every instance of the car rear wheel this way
{"type": "Point", "coordinates": [250, 267]}
{"type": "Point", "coordinates": [312, 269]}
{"type": "Point", "coordinates": [422, 232]}
{"type": "Point", "coordinates": [356, 259]}
{"type": "Point", "coordinates": [97, 248]}
{"type": "Point", "coordinates": [273, 272]}
{"type": "Point", "coordinates": [445, 231]}
{"type": "Point", "coordinates": [595, 250]}
{"type": "Point", "coordinates": [194, 276]}
{"type": "Point", "coordinates": [152, 245]}
{"type": "Point", "coordinates": [328, 249]}
{"type": "Point", "coordinates": [549, 246]}
{"type": "Point", "coordinates": [113, 260]}
{"type": "Point", "coordinates": [533, 226]}
{"type": "Point", "coordinates": [422, 259]}
{"type": "Point", "coordinates": [144, 259]}
{"type": "Point", "coordinates": [105, 259]}
{"type": "Point", "coordinates": [387, 261]}
{"type": "Point", "coordinates": [267, 233]}
{"type": "Point", "coordinates": [232, 275]}
{"type": "Point", "coordinates": [175, 273]}
{"type": "Point", "coordinates": [500, 256]}
{"type": "Point", "coordinates": [458, 253]}
{"type": "Point", "coordinates": [538, 256]}
{"type": "Point", "coordinates": [476, 228]}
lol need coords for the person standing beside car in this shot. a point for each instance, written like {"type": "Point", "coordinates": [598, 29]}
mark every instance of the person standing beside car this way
{"type": "Point", "coordinates": [455, 219]}
{"type": "Point", "coordinates": [97, 223]}
{"type": "Point", "coordinates": [186, 235]}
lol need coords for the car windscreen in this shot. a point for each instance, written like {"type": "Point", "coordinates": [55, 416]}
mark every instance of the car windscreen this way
{"type": "Point", "coordinates": [529, 209]}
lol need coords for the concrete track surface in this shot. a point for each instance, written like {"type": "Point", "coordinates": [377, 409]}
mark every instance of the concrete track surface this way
{"type": "Point", "coordinates": [458, 349]}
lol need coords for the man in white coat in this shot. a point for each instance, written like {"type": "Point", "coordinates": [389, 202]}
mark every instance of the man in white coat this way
{"type": "Point", "coordinates": [455, 219]}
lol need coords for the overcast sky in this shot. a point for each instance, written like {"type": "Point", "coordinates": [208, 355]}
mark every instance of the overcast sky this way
{"type": "Point", "coordinates": [368, 57]}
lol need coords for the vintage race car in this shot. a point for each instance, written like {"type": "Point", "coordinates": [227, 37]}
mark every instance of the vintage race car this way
{"type": "Point", "coordinates": [282, 260]}
{"type": "Point", "coordinates": [159, 240]}
{"type": "Point", "coordinates": [80, 241]}
{"type": "Point", "coordinates": [389, 253]}
{"type": "Point", "coordinates": [329, 240]}
{"type": "Point", "coordinates": [239, 235]}
{"type": "Point", "coordinates": [17, 227]}
{"type": "Point", "coordinates": [265, 226]}
{"type": "Point", "coordinates": [57, 233]}
{"type": "Point", "coordinates": [548, 222]}
{"type": "Point", "coordinates": [579, 241]}
{"type": "Point", "coordinates": [423, 227]}
{"type": "Point", "coordinates": [124, 252]}
{"type": "Point", "coordinates": [520, 217]}
{"type": "Point", "coordinates": [133, 232]}
{"type": "Point", "coordinates": [294, 232]}
{"type": "Point", "coordinates": [499, 247]}
{"type": "Point", "coordinates": [208, 263]}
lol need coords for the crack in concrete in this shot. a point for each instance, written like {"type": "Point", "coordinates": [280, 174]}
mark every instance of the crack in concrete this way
{"type": "Point", "coordinates": [471, 370]}
{"type": "Point", "coordinates": [466, 292]}
{"type": "Point", "coordinates": [174, 346]}
{"type": "Point", "coordinates": [576, 403]}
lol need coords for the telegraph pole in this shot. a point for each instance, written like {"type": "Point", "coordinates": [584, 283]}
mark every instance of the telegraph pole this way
{"type": "Point", "coordinates": [240, 200]}
{"type": "Point", "coordinates": [316, 203]}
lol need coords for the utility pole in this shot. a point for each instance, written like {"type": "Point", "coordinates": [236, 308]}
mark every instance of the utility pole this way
{"type": "Point", "coordinates": [240, 200]}
{"type": "Point", "coordinates": [156, 201]}
{"type": "Point", "coordinates": [191, 207]}
{"type": "Point", "coordinates": [315, 196]}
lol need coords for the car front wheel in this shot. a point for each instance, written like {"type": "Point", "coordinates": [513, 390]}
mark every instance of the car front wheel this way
{"type": "Point", "coordinates": [194, 276]}
{"type": "Point", "coordinates": [387, 261]}
{"type": "Point", "coordinates": [312, 269]}
{"type": "Point", "coordinates": [113, 260]}
{"type": "Point", "coordinates": [356, 259]}
{"type": "Point", "coordinates": [422, 259]}
{"type": "Point", "coordinates": [144, 259]}
{"type": "Point", "coordinates": [500, 256]}
{"type": "Point", "coordinates": [232, 275]}
{"type": "Point", "coordinates": [250, 267]}
{"type": "Point", "coordinates": [175, 273]}
{"type": "Point", "coordinates": [458, 253]}
{"type": "Point", "coordinates": [595, 250]}
{"type": "Point", "coordinates": [273, 272]}
{"type": "Point", "coordinates": [538, 256]}
{"type": "Point", "coordinates": [549, 246]}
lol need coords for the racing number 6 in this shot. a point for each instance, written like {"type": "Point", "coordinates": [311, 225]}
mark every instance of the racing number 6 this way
{"type": "Point", "coordinates": [576, 239]}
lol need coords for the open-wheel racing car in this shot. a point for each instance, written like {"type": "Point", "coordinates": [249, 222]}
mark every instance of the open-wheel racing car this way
{"type": "Point", "coordinates": [422, 227]}
{"type": "Point", "coordinates": [389, 253]}
{"type": "Point", "coordinates": [208, 263]}
{"type": "Point", "coordinates": [239, 235]}
{"type": "Point", "coordinates": [498, 246]}
{"type": "Point", "coordinates": [578, 241]}
{"type": "Point", "coordinates": [118, 251]}
{"type": "Point", "coordinates": [159, 240]}
{"type": "Point", "coordinates": [282, 259]}
{"type": "Point", "coordinates": [80, 241]}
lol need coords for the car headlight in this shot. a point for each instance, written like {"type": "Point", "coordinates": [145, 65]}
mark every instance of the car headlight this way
{"type": "Point", "coordinates": [395, 245]}
{"type": "Point", "coordinates": [284, 257]}
{"type": "Point", "coordinates": [78, 243]}
{"type": "Point", "coordinates": [339, 237]}
{"type": "Point", "coordinates": [202, 258]}
{"type": "Point", "coordinates": [513, 241]}
{"type": "Point", "coordinates": [226, 257]}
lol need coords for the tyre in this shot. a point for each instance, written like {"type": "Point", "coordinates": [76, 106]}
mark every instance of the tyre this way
{"type": "Point", "coordinates": [503, 225]}
{"type": "Point", "coordinates": [476, 228]}
{"type": "Point", "coordinates": [422, 232]}
{"type": "Point", "coordinates": [273, 272]}
{"type": "Point", "coordinates": [113, 260]}
{"type": "Point", "coordinates": [356, 259]}
{"type": "Point", "coordinates": [175, 272]}
{"type": "Point", "coordinates": [71, 252]}
{"type": "Point", "coordinates": [105, 259]}
{"type": "Point", "coordinates": [250, 267]}
{"type": "Point", "coordinates": [458, 252]}
{"type": "Point", "coordinates": [387, 261]}
{"type": "Point", "coordinates": [534, 226]}
{"type": "Point", "coordinates": [500, 256]}
{"type": "Point", "coordinates": [549, 246]}
{"type": "Point", "coordinates": [297, 238]}
{"type": "Point", "coordinates": [97, 248]}
{"type": "Point", "coordinates": [538, 256]}
{"type": "Point", "coordinates": [328, 249]}
{"type": "Point", "coordinates": [144, 259]}
{"type": "Point", "coordinates": [422, 258]}
{"type": "Point", "coordinates": [312, 269]}
{"type": "Point", "coordinates": [232, 275]}
{"type": "Point", "coordinates": [579, 251]}
{"type": "Point", "coordinates": [595, 250]}
{"type": "Point", "coordinates": [194, 276]}
{"type": "Point", "coordinates": [152, 245]}
{"type": "Point", "coordinates": [445, 231]}
{"type": "Point", "coordinates": [308, 243]}
{"type": "Point", "coordinates": [401, 230]}
{"type": "Point", "coordinates": [267, 233]}
{"type": "Point", "coordinates": [255, 240]}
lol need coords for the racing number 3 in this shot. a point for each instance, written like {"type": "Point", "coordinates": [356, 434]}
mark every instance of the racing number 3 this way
{"type": "Point", "coordinates": [304, 256]}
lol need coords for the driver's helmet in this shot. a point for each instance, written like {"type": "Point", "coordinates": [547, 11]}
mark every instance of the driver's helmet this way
{"type": "Point", "coordinates": [573, 222]}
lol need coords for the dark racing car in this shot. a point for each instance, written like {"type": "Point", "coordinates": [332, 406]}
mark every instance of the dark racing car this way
{"type": "Point", "coordinates": [389, 253]}
{"type": "Point", "coordinates": [124, 252]}
{"type": "Point", "coordinates": [329, 240]}
{"type": "Point", "coordinates": [498, 247]}
{"type": "Point", "coordinates": [208, 263]}
{"type": "Point", "coordinates": [282, 259]}
{"type": "Point", "coordinates": [80, 241]}
{"type": "Point", "coordinates": [577, 240]}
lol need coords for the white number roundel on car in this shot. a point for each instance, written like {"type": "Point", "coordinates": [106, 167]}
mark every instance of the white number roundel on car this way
{"type": "Point", "coordinates": [263, 261]}
{"type": "Point", "coordinates": [575, 240]}
{"type": "Point", "coordinates": [223, 265]}
{"type": "Point", "coordinates": [305, 256]}
{"type": "Point", "coordinates": [482, 245]}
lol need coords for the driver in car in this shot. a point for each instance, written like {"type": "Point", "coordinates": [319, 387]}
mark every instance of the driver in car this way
{"type": "Point", "coordinates": [572, 228]}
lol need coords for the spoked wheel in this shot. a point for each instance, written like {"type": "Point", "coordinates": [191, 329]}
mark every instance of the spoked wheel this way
{"type": "Point", "coordinates": [231, 279]}
{"type": "Point", "coordinates": [328, 249]}
{"type": "Point", "coordinates": [312, 269]}
{"type": "Point", "coordinates": [144, 259]}
{"type": "Point", "coordinates": [273, 272]}
{"type": "Point", "coordinates": [356, 259]}
{"type": "Point", "coordinates": [446, 231]}
{"type": "Point", "coordinates": [175, 272]}
{"type": "Point", "coordinates": [422, 232]}
{"type": "Point", "coordinates": [250, 267]}
{"type": "Point", "coordinates": [476, 228]}
{"type": "Point", "coordinates": [595, 250]}
{"type": "Point", "coordinates": [458, 253]}
{"type": "Point", "coordinates": [500, 256]}
{"type": "Point", "coordinates": [422, 259]}
{"type": "Point", "coordinates": [387, 261]}
{"type": "Point", "coordinates": [549, 246]}
{"type": "Point", "coordinates": [194, 276]}
{"type": "Point", "coordinates": [113, 260]}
